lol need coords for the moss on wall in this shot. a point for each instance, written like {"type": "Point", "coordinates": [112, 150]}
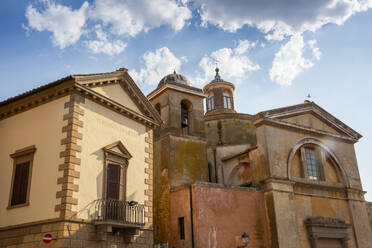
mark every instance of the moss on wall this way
{"type": "Point", "coordinates": [232, 131]}
{"type": "Point", "coordinates": [272, 220]}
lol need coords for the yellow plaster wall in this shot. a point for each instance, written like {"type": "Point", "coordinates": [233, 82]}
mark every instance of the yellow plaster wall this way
{"type": "Point", "coordinates": [116, 93]}
{"type": "Point", "coordinates": [42, 127]}
{"type": "Point", "coordinates": [101, 128]}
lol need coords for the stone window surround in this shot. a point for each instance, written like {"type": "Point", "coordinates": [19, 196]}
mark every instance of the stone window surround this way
{"type": "Point", "coordinates": [326, 227]}
{"type": "Point", "coordinates": [20, 156]}
{"type": "Point", "coordinates": [315, 142]}
{"type": "Point", "coordinates": [116, 158]}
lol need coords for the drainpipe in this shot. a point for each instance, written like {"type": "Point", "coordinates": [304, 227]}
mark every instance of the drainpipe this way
{"type": "Point", "coordinates": [215, 165]}
{"type": "Point", "coordinates": [192, 219]}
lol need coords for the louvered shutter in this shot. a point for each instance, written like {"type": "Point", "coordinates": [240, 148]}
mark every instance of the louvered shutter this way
{"type": "Point", "coordinates": [20, 183]}
{"type": "Point", "coordinates": [113, 181]}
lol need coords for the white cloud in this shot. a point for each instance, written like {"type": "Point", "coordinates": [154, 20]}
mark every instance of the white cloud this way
{"type": "Point", "coordinates": [103, 45]}
{"type": "Point", "coordinates": [289, 61]}
{"type": "Point", "coordinates": [65, 24]}
{"type": "Point", "coordinates": [233, 63]}
{"type": "Point", "coordinates": [121, 17]}
{"type": "Point", "coordinates": [278, 19]}
{"type": "Point", "coordinates": [134, 16]}
{"type": "Point", "coordinates": [157, 64]}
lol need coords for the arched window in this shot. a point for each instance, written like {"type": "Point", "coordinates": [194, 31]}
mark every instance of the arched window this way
{"type": "Point", "coordinates": [310, 159]}
{"type": "Point", "coordinates": [313, 163]}
{"type": "Point", "coordinates": [226, 101]}
{"type": "Point", "coordinates": [185, 118]}
{"type": "Point", "coordinates": [210, 102]}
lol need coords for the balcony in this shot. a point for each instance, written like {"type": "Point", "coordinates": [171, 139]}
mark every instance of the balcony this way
{"type": "Point", "coordinates": [119, 214]}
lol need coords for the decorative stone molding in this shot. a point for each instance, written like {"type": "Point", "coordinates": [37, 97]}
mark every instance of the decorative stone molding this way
{"type": "Point", "coordinates": [317, 142]}
{"type": "Point", "coordinates": [149, 168]}
{"type": "Point", "coordinates": [328, 228]}
{"type": "Point", "coordinates": [70, 154]}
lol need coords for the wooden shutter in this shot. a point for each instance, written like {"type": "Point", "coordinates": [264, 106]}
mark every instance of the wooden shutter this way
{"type": "Point", "coordinates": [20, 184]}
{"type": "Point", "coordinates": [113, 181]}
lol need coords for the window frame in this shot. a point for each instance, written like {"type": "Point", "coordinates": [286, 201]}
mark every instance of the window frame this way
{"type": "Point", "coordinates": [120, 159]}
{"type": "Point", "coordinates": [21, 156]}
{"type": "Point", "coordinates": [318, 151]}
{"type": "Point", "coordinates": [227, 104]}
{"type": "Point", "coordinates": [210, 102]}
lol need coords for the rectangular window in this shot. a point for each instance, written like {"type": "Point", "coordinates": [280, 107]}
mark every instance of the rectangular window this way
{"type": "Point", "coordinates": [21, 179]}
{"type": "Point", "coordinates": [181, 226]}
{"type": "Point", "coordinates": [226, 101]}
{"type": "Point", "coordinates": [312, 164]}
{"type": "Point", "coordinates": [113, 181]}
{"type": "Point", "coordinates": [19, 195]}
{"type": "Point", "coordinates": [211, 102]}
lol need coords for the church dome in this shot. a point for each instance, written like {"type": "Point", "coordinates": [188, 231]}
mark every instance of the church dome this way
{"type": "Point", "coordinates": [174, 78]}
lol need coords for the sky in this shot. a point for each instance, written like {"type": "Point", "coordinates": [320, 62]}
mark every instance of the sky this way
{"type": "Point", "coordinates": [275, 52]}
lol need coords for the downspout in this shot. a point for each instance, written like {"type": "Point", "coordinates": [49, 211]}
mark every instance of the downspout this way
{"type": "Point", "coordinates": [192, 219]}
{"type": "Point", "coordinates": [215, 165]}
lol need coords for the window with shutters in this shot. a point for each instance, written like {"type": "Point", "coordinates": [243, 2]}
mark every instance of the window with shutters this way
{"type": "Point", "coordinates": [115, 171]}
{"type": "Point", "coordinates": [21, 178]}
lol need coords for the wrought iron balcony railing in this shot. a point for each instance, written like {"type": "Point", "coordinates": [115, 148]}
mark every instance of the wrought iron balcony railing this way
{"type": "Point", "coordinates": [122, 212]}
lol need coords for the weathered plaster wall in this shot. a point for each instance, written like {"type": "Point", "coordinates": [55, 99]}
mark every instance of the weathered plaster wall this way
{"type": "Point", "coordinates": [320, 206]}
{"type": "Point", "coordinates": [116, 92]}
{"type": "Point", "coordinates": [177, 161]}
{"type": "Point", "coordinates": [101, 128]}
{"type": "Point", "coordinates": [231, 130]}
{"type": "Point", "coordinates": [280, 142]}
{"type": "Point", "coordinates": [369, 210]}
{"type": "Point", "coordinates": [180, 207]}
{"type": "Point", "coordinates": [223, 168]}
{"type": "Point", "coordinates": [42, 127]}
{"type": "Point", "coordinates": [276, 143]}
{"type": "Point", "coordinates": [309, 120]}
{"type": "Point", "coordinates": [223, 214]}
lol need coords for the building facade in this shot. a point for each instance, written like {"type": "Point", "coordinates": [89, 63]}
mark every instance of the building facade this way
{"type": "Point", "coordinates": [89, 161]}
{"type": "Point", "coordinates": [76, 164]}
{"type": "Point", "coordinates": [286, 177]}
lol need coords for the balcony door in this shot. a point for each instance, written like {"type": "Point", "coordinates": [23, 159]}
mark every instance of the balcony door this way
{"type": "Point", "coordinates": [115, 195]}
{"type": "Point", "coordinates": [113, 182]}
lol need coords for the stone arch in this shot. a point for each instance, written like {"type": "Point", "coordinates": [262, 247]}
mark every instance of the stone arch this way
{"type": "Point", "coordinates": [186, 115]}
{"type": "Point", "coordinates": [317, 142]}
{"type": "Point", "coordinates": [234, 176]}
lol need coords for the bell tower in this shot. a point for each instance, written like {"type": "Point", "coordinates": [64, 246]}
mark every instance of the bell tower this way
{"type": "Point", "coordinates": [220, 95]}
{"type": "Point", "coordinates": [179, 144]}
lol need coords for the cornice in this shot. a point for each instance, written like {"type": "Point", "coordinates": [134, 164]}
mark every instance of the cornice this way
{"type": "Point", "coordinates": [106, 102]}
{"type": "Point", "coordinates": [210, 116]}
{"type": "Point", "coordinates": [35, 98]}
{"type": "Point", "coordinates": [310, 107]}
{"type": "Point", "coordinates": [180, 88]}
{"type": "Point", "coordinates": [296, 127]}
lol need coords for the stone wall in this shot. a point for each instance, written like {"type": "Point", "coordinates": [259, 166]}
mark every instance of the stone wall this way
{"type": "Point", "coordinates": [369, 210]}
{"type": "Point", "coordinates": [229, 129]}
{"type": "Point", "coordinates": [69, 234]}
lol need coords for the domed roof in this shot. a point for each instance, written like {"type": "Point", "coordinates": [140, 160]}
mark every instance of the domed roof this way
{"type": "Point", "coordinates": [174, 78]}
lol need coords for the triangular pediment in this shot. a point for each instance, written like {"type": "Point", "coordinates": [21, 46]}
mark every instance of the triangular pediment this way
{"type": "Point", "coordinates": [117, 148]}
{"type": "Point", "coordinates": [119, 87]}
{"type": "Point", "coordinates": [309, 116]}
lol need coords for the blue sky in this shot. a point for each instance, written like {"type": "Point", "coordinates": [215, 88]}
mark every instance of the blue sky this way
{"type": "Point", "coordinates": [276, 52]}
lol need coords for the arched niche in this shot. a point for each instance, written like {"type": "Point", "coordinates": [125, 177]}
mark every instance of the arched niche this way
{"type": "Point", "coordinates": [329, 160]}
